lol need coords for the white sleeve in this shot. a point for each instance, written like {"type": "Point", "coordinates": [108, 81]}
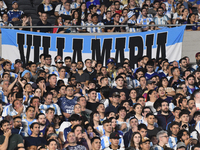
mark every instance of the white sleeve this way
{"type": "Point", "coordinates": [5, 112]}
{"type": "Point", "coordinates": [57, 8]}
{"type": "Point", "coordinates": [4, 5]}
{"type": "Point", "coordinates": [58, 110]}
{"type": "Point", "coordinates": [122, 143]}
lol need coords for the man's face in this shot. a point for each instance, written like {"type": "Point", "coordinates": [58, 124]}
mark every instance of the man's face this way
{"type": "Point", "coordinates": [30, 113]}
{"type": "Point", "coordinates": [116, 19]}
{"type": "Point", "coordinates": [191, 81]}
{"type": "Point", "coordinates": [48, 99]}
{"type": "Point", "coordinates": [92, 95]}
{"type": "Point", "coordinates": [36, 129]}
{"type": "Point", "coordinates": [82, 101]}
{"type": "Point", "coordinates": [132, 2]}
{"type": "Point", "coordinates": [122, 96]}
{"type": "Point", "coordinates": [48, 61]}
{"type": "Point", "coordinates": [50, 114]}
{"type": "Point", "coordinates": [44, 17]}
{"type": "Point", "coordinates": [62, 72]}
{"type": "Point", "coordinates": [145, 146]}
{"type": "Point", "coordinates": [53, 80]}
{"type": "Point", "coordinates": [184, 63]}
{"type": "Point", "coordinates": [7, 67]}
{"type": "Point", "coordinates": [5, 17]}
{"type": "Point", "coordinates": [70, 91]}
{"type": "Point", "coordinates": [144, 12]}
{"type": "Point", "coordinates": [149, 68]}
{"type": "Point", "coordinates": [165, 107]}
{"type": "Point", "coordinates": [107, 127]}
{"type": "Point", "coordinates": [117, 5]}
{"type": "Point", "coordinates": [114, 142]}
{"type": "Point", "coordinates": [62, 90]}
{"type": "Point", "coordinates": [96, 145]}
{"type": "Point", "coordinates": [120, 82]}
{"type": "Point", "coordinates": [156, 5]}
{"type": "Point", "coordinates": [133, 123]}
{"type": "Point", "coordinates": [68, 62]}
{"type": "Point", "coordinates": [71, 137]}
{"type": "Point", "coordinates": [176, 72]}
{"type": "Point", "coordinates": [160, 12]}
{"type": "Point", "coordinates": [122, 113]}
{"type": "Point", "coordinates": [17, 104]}
{"type": "Point", "coordinates": [95, 19]}
{"type": "Point", "coordinates": [79, 65]}
{"type": "Point", "coordinates": [67, 6]}
{"type": "Point", "coordinates": [184, 103]}
{"type": "Point", "coordinates": [115, 99]}
{"type": "Point", "coordinates": [185, 136]}
{"type": "Point", "coordinates": [176, 113]}
{"type": "Point", "coordinates": [17, 123]}
{"type": "Point", "coordinates": [42, 120]}
{"type": "Point", "coordinates": [105, 81]}
{"type": "Point", "coordinates": [185, 118]}
{"type": "Point", "coordinates": [36, 102]}
{"type": "Point", "coordinates": [101, 108]}
{"type": "Point", "coordinates": [143, 132]}
{"type": "Point", "coordinates": [150, 119]}
{"type": "Point", "coordinates": [15, 6]}
{"type": "Point", "coordinates": [141, 101]}
{"type": "Point", "coordinates": [33, 68]}
{"type": "Point", "coordinates": [175, 129]}
{"type": "Point", "coordinates": [108, 15]}
{"type": "Point", "coordinates": [5, 127]}
{"type": "Point", "coordinates": [88, 63]}
{"type": "Point", "coordinates": [146, 111]}
{"type": "Point", "coordinates": [191, 104]}
{"type": "Point", "coordinates": [164, 138]}
{"type": "Point", "coordinates": [139, 74]}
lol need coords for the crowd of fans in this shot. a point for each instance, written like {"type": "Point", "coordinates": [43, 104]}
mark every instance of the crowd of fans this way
{"type": "Point", "coordinates": [88, 106]}
{"type": "Point", "coordinates": [92, 13]}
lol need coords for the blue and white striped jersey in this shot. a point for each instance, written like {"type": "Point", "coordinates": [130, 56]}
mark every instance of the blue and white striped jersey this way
{"type": "Point", "coordinates": [144, 21]}
{"type": "Point", "coordinates": [44, 107]}
{"type": "Point", "coordinates": [101, 129]}
{"type": "Point", "coordinates": [172, 142]}
{"type": "Point", "coordinates": [136, 83]}
{"type": "Point", "coordinates": [161, 21]}
{"type": "Point", "coordinates": [3, 97]}
{"type": "Point", "coordinates": [92, 29]}
{"type": "Point", "coordinates": [6, 24]}
{"type": "Point", "coordinates": [9, 110]}
{"type": "Point", "coordinates": [74, 5]}
{"type": "Point", "coordinates": [51, 69]}
{"type": "Point", "coordinates": [129, 29]}
{"type": "Point", "coordinates": [64, 12]}
{"type": "Point", "coordinates": [48, 7]}
{"type": "Point", "coordinates": [26, 125]}
{"type": "Point", "coordinates": [169, 7]}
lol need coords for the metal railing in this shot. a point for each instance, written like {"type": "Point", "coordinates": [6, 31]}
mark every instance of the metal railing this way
{"type": "Point", "coordinates": [79, 26]}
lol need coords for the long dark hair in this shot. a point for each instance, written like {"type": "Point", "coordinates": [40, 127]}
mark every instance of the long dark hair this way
{"type": "Point", "coordinates": [47, 128]}
{"type": "Point", "coordinates": [56, 21]}
{"type": "Point", "coordinates": [149, 93]}
{"type": "Point", "coordinates": [80, 12]}
{"type": "Point", "coordinates": [79, 17]}
{"type": "Point", "coordinates": [92, 116]}
{"type": "Point", "coordinates": [189, 16]}
{"type": "Point", "coordinates": [132, 144]}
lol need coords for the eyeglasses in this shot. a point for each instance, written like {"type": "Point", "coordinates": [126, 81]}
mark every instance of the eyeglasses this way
{"type": "Point", "coordinates": [165, 136]}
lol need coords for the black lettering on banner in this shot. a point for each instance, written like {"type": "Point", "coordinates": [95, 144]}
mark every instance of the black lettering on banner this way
{"type": "Point", "coordinates": [21, 42]}
{"type": "Point", "coordinates": [46, 44]}
{"type": "Point", "coordinates": [77, 47]}
{"type": "Point", "coordinates": [60, 45]}
{"type": "Point", "coordinates": [161, 45]}
{"type": "Point", "coordinates": [37, 44]}
{"type": "Point", "coordinates": [149, 44]}
{"type": "Point", "coordinates": [29, 44]}
{"type": "Point", "coordinates": [134, 42]}
{"type": "Point", "coordinates": [120, 46]}
{"type": "Point", "coordinates": [97, 53]}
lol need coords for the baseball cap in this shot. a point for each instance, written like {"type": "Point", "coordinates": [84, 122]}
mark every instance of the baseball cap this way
{"type": "Point", "coordinates": [110, 61]}
{"type": "Point", "coordinates": [197, 54]}
{"type": "Point", "coordinates": [18, 61]}
{"type": "Point", "coordinates": [59, 61]}
{"type": "Point", "coordinates": [14, 2]}
{"type": "Point", "coordinates": [150, 82]}
{"type": "Point", "coordinates": [145, 139]}
{"type": "Point", "coordinates": [180, 145]}
{"type": "Point", "coordinates": [115, 94]}
{"type": "Point", "coordinates": [114, 135]}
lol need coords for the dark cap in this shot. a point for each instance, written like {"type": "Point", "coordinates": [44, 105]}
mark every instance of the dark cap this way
{"type": "Point", "coordinates": [114, 135]}
{"type": "Point", "coordinates": [115, 94]}
{"type": "Point", "coordinates": [14, 2]}
{"type": "Point", "coordinates": [197, 54]}
{"type": "Point", "coordinates": [110, 61]}
{"type": "Point", "coordinates": [18, 61]}
{"type": "Point", "coordinates": [150, 82]}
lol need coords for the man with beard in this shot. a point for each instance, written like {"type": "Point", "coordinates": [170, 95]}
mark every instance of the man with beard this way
{"type": "Point", "coordinates": [164, 116]}
{"type": "Point", "coordinates": [41, 119]}
{"type": "Point", "coordinates": [197, 57]}
{"type": "Point", "coordinates": [196, 74]}
{"type": "Point", "coordinates": [184, 66]}
{"type": "Point", "coordinates": [17, 125]}
{"type": "Point", "coordinates": [81, 76]}
{"type": "Point", "coordinates": [8, 140]}
{"type": "Point", "coordinates": [191, 84]}
{"type": "Point", "coordinates": [160, 18]}
{"type": "Point", "coordinates": [173, 138]}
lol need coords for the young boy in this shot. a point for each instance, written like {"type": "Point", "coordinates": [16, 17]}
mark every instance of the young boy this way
{"type": "Point", "coordinates": [132, 21]}
{"type": "Point", "coordinates": [150, 70]}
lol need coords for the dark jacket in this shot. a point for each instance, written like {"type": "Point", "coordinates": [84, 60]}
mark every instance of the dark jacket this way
{"type": "Point", "coordinates": [127, 138]}
{"type": "Point", "coordinates": [164, 120]}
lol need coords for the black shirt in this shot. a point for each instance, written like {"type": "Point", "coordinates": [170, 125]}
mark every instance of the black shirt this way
{"type": "Point", "coordinates": [125, 90]}
{"type": "Point", "coordinates": [91, 74]}
{"type": "Point", "coordinates": [34, 141]}
{"type": "Point", "coordinates": [44, 29]}
{"type": "Point", "coordinates": [92, 106]}
{"type": "Point", "coordinates": [117, 29]}
{"type": "Point", "coordinates": [153, 132]}
{"type": "Point", "coordinates": [82, 78]}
